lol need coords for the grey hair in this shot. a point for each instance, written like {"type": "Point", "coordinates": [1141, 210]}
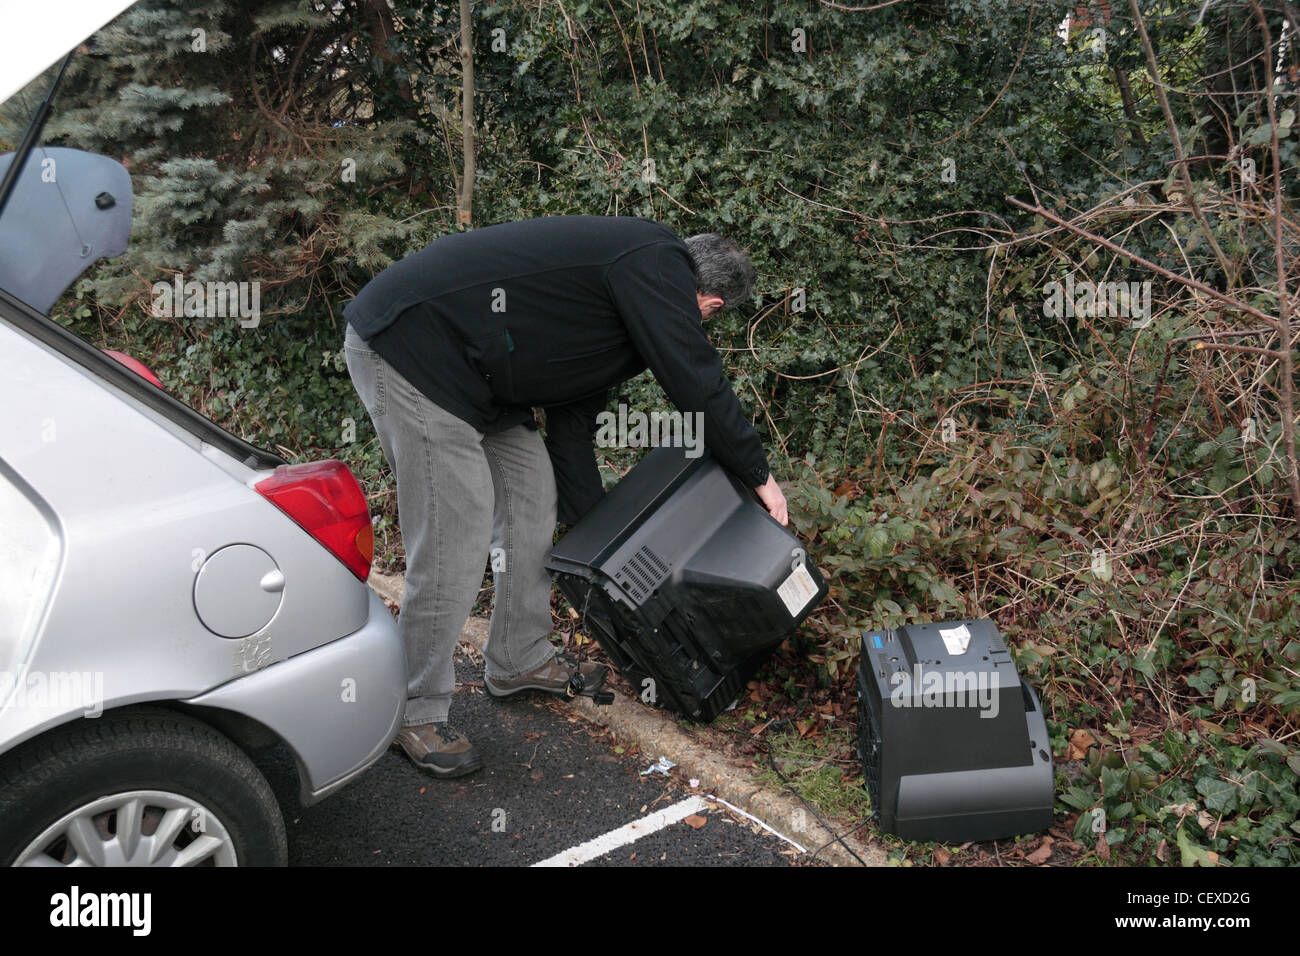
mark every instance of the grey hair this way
{"type": "Point", "coordinates": [721, 268]}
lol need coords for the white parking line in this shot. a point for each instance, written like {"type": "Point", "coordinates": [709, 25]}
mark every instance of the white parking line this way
{"type": "Point", "coordinates": [776, 833]}
{"type": "Point", "coordinates": [592, 849]}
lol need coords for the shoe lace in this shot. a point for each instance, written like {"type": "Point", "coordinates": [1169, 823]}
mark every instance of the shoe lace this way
{"type": "Point", "coordinates": [576, 681]}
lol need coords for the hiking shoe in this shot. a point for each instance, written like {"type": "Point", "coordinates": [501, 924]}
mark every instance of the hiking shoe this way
{"type": "Point", "coordinates": [439, 750]}
{"type": "Point", "coordinates": [560, 675]}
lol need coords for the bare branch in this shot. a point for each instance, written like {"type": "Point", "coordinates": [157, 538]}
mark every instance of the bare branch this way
{"type": "Point", "coordinates": [1161, 270]}
{"type": "Point", "coordinates": [465, 209]}
{"type": "Point", "coordinates": [840, 6]}
{"type": "Point", "coordinates": [1286, 397]}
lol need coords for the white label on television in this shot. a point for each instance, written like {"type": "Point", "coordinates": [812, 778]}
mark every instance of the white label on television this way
{"type": "Point", "coordinates": [797, 590]}
{"type": "Point", "coordinates": [956, 639]}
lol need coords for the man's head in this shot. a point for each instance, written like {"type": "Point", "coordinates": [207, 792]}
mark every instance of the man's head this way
{"type": "Point", "coordinates": [724, 276]}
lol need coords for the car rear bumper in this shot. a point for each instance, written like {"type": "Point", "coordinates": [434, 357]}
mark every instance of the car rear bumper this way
{"type": "Point", "coordinates": [337, 707]}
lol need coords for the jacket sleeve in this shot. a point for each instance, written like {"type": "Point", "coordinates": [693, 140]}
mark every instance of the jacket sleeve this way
{"type": "Point", "coordinates": [570, 430]}
{"type": "Point", "coordinates": [654, 290]}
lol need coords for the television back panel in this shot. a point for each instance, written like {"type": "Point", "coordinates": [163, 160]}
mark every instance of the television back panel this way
{"type": "Point", "coordinates": [686, 580]}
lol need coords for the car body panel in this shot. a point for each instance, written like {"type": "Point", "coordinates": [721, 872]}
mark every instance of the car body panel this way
{"type": "Point", "coordinates": [140, 505]}
{"type": "Point", "coordinates": [329, 705]}
{"type": "Point", "coordinates": [134, 537]}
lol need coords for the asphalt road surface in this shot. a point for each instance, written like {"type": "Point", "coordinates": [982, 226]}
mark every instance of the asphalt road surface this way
{"type": "Point", "coordinates": [553, 790]}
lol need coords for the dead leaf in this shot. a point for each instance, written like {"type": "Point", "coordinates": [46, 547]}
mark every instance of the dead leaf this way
{"type": "Point", "coordinates": [1080, 741]}
{"type": "Point", "coordinates": [1160, 851]}
{"type": "Point", "coordinates": [1040, 855]}
{"type": "Point", "coordinates": [941, 856]}
{"type": "Point", "coordinates": [695, 821]}
{"type": "Point", "coordinates": [1103, 848]}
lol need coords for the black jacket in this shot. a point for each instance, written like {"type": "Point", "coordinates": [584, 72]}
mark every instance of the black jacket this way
{"type": "Point", "coordinates": [552, 313]}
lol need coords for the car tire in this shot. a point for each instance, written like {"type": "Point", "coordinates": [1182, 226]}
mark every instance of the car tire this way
{"type": "Point", "coordinates": [137, 787]}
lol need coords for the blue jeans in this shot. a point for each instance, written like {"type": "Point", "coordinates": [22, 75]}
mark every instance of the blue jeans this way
{"type": "Point", "coordinates": [462, 496]}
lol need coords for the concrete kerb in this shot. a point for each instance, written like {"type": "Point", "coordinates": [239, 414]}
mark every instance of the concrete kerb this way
{"type": "Point", "coordinates": [657, 734]}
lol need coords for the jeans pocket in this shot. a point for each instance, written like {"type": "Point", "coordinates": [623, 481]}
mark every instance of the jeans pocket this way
{"type": "Point", "coordinates": [366, 369]}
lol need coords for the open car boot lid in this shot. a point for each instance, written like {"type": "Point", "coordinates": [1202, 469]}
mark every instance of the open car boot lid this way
{"type": "Point", "coordinates": [38, 35]}
{"type": "Point", "coordinates": [68, 209]}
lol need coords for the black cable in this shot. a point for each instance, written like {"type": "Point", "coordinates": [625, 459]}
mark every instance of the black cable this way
{"type": "Point", "coordinates": [857, 826]}
{"type": "Point", "coordinates": [576, 684]}
{"type": "Point", "coordinates": [582, 620]}
{"type": "Point", "coordinates": [772, 761]}
{"type": "Point", "coordinates": [835, 836]}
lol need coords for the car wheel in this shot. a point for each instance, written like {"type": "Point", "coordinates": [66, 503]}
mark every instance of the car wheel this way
{"type": "Point", "coordinates": [139, 787]}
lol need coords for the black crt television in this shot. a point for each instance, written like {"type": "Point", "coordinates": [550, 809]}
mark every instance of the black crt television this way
{"type": "Point", "coordinates": [686, 580]}
{"type": "Point", "coordinates": [953, 742]}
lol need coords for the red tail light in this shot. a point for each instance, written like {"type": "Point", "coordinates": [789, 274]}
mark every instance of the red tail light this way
{"type": "Point", "coordinates": [134, 364]}
{"type": "Point", "coordinates": [325, 500]}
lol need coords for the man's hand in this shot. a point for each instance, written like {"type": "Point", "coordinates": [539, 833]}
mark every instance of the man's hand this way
{"type": "Point", "coordinates": [773, 500]}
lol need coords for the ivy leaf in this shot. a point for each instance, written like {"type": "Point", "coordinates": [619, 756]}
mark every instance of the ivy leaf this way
{"type": "Point", "coordinates": [1191, 853]}
{"type": "Point", "coordinates": [1220, 796]}
{"type": "Point", "coordinates": [1114, 780]}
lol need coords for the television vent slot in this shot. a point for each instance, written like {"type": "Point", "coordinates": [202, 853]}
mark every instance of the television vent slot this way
{"type": "Point", "coordinates": [642, 573]}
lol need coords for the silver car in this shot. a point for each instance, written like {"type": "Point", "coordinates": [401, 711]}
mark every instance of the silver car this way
{"type": "Point", "coordinates": [172, 599]}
